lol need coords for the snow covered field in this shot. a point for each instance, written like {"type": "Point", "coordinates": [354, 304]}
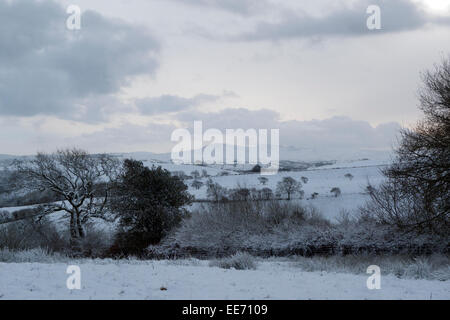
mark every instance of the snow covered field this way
{"type": "Point", "coordinates": [320, 180]}
{"type": "Point", "coordinates": [194, 279]}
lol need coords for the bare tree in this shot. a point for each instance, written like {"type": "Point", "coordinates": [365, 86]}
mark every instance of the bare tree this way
{"type": "Point", "coordinates": [289, 186]}
{"type": "Point", "coordinates": [81, 180]}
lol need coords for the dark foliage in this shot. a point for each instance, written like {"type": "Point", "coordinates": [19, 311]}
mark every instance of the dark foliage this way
{"type": "Point", "coordinates": [149, 203]}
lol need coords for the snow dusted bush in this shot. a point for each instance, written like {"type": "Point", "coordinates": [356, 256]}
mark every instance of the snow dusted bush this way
{"type": "Point", "coordinates": [238, 261]}
{"type": "Point", "coordinates": [434, 267]}
{"type": "Point", "coordinates": [31, 233]}
{"type": "Point", "coordinates": [96, 242]}
{"type": "Point", "coordinates": [277, 228]}
{"type": "Point", "coordinates": [40, 255]}
{"type": "Point", "coordinates": [336, 191]}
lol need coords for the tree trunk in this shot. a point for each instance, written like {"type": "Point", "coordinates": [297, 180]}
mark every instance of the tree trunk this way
{"type": "Point", "coordinates": [73, 230]}
{"type": "Point", "coordinates": [79, 227]}
{"type": "Point", "coordinates": [74, 238]}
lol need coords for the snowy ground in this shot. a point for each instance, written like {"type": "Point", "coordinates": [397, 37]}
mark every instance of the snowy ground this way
{"type": "Point", "coordinates": [193, 279]}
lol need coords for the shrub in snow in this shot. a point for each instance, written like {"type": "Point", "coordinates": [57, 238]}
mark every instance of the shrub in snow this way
{"type": "Point", "coordinates": [256, 169]}
{"type": "Point", "coordinates": [335, 191]}
{"type": "Point", "coordinates": [420, 269]}
{"type": "Point", "coordinates": [263, 180]}
{"type": "Point", "coordinates": [96, 242]}
{"type": "Point", "coordinates": [32, 233]}
{"type": "Point", "coordinates": [314, 195]}
{"type": "Point", "coordinates": [281, 228]}
{"type": "Point", "coordinates": [349, 176]}
{"type": "Point", "coordinates": [402, 266]}
{"type": "Point", "coordinates": [238, 261]}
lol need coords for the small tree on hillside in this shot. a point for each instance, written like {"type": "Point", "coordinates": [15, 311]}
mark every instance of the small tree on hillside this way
{"type": "Point", "coordinates": [288, 186]}
{"type": "Point", "coordinates": [263, 180]}
{"type": "Point", "coordinates": [256, 168]}
{"type": "Point", "coordinates": [336, 191]}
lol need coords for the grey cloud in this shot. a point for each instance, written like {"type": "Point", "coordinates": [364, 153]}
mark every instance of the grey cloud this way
{"type": "Point", "coordinates": [399, 15]}
{"type": "Point", "coordinates": [48, 69]}
{"type": "Point", "coordinates": [324, 137]}
{"type": "Point", "coordinates": [243, 7]}
{"type": "Point", "coordinates": [233, 118]}
{"type": "Point", "coordinates": [333, 138]}
{"type": "Point", "coordinates": [128, 137]}
{"type": "Point", "coordinates": [172, 103]}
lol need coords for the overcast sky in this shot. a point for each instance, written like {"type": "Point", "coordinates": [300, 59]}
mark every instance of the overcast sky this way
{"type": "Point", "coordinates": [138, 69]}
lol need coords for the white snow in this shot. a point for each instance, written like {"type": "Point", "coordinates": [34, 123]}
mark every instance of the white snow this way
{"type": "Point", "coordinates": [194, 279]}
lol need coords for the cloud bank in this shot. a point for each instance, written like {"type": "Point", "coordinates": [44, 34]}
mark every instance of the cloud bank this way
{"type": "Point", "coordinates": [46, 69]}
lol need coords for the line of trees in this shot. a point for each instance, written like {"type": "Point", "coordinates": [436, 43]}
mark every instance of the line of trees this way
{"type": "Point", "coordinates": [288, 187]}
